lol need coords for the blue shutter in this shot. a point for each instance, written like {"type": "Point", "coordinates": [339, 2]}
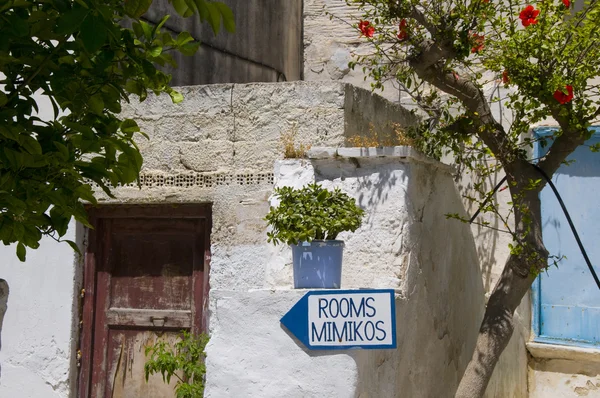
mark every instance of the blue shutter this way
{"type": "Point", "coordinates": [566, 299]}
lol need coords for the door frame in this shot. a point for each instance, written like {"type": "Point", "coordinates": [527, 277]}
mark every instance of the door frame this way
{"type": "Point", "coordinates": [201, 211]}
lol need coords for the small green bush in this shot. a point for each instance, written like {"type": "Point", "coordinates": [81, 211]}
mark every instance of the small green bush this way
{"type": "Point", "coordinates": [311, 213]}
{"type": "Point", "coordinates": [187, 357]}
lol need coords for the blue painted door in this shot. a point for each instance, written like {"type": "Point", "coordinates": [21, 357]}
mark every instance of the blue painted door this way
{"type": "Point", "coordinates": [568, 298]}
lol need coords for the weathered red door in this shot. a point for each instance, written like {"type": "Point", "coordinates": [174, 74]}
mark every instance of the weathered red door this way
{"type": "Point", "coordinates": [146, 278]}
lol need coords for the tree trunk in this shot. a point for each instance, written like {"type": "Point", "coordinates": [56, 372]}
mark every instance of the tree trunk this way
{"type": "Point", "coordinates": [498, 322]}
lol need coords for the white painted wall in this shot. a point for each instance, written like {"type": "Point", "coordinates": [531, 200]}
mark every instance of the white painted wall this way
{"type": "Point", "coordinates": [405, 243]}
{"type": "Point", "coordinates": [37, 354]}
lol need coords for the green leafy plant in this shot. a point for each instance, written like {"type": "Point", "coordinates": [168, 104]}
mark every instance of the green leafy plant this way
{"type": "Point", "coordinates": [311, 212]}
{"type": "Point", "coordinates": [78, 58]}
{"type": "Point", "coordinates": [185, 361]}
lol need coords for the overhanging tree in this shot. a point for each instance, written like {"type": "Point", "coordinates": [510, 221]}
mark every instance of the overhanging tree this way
{"type": "Point", "coordinates": [448, 55]}
{"type": "Point", "coordinates": [80, 57]}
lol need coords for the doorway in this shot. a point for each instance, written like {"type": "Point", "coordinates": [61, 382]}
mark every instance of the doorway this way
{"type": "Point", "coordinates": [145, 280]}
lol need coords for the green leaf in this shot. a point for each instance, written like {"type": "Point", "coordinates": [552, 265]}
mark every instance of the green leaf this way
{"type": "Point", "coordinates": [136, 8]}
{"type": "Point", "coordinates": [73, 245]}
{"type": "Point", "coordinates": [93, 33]}
{"type": "Point", "coordinates": [147, 29]}
{"type": "Point", "coordinates": [183, 38]}
{"type": "Point", "coordinates": [129, 126]}
{"type": "Point", "coordinates": [30, 144]}
{"type": "Point", "coordinates": [85, 192]}
{"type": "Point", "coordinates": [71, 20]}
{"type": "Point", "coordinates": [214, 17]}
{"type": "Point", "coordinates": [63, 150]}
{"type": "Point", "coordinates": [155, 51]}
{"type": "Point", "coordinates": [96, 104]}
{"type": "Point", "coordinates": [160, 25]}
{"type": "Point", "coordinates": [176, 96]}
{"type": "Point", "coordinates": [182, 8]}
{"type": "Point", "coordinates": [21, 251]}
{"type": "Point", "coordinates": [228, 17]}
{"type": "Point", "coordinates": [189, 49]}
{"type": "Point", "coordinates": [19, 26]}
{"type": "Point", "coordinates": [203, 10]}
{"type": "Point", "coordinates": [3, 99]}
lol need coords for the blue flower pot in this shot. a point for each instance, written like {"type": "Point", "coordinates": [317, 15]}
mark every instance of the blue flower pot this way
{"type": "Point", "coordinates": [318, 264]}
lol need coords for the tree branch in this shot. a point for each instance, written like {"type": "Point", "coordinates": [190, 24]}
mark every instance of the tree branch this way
{"type": "Point", "coordinates": [564, 144]}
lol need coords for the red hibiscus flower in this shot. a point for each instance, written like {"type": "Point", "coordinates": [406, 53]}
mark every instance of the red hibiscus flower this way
{"type": "Point", "coordinates": [505, 78]}
{"type": "Point", "coordinates": [366, 28]}
{"type": "Point", "coordinates": [528, 16]}
{"type": "Point", "coordinates": [486, 1]}
{"type": "Point", "coordinates": [562, 97]}
{"type": "Point", "coordinates": [567, 3]}
{"type": "Point", "coordinates": [477, 43]}
{"type": "Point", "coordinates": [402, 32]}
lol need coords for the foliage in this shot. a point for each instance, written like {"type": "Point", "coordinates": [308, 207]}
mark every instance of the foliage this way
{"type": "Point", "coordinates": [456, 59]}
{"type": "Point", "coordinates": [291, 149]}
{"type": "Point", "coordinates": [77, 57]}
{"type": "Point", "coordinates": [185, 361]}
{"type": "Point", "coordinates": [311, 212]}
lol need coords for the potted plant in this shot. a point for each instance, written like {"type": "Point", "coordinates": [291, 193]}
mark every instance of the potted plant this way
{"type": "Point", "coordinates": [309, 219]}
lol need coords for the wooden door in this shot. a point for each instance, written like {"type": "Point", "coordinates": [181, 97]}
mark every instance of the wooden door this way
{"type": "Point", "coordinates": [146, 279]}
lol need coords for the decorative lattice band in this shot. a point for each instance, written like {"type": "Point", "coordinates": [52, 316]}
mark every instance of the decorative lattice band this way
{"type": "Point", "coordinates": [200, 180]}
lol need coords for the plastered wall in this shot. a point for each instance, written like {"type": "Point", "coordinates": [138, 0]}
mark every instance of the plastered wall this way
{"type": "Point", "coordinates": [406, 244]}
{"type": "Point", "coordinates": [38, 347]}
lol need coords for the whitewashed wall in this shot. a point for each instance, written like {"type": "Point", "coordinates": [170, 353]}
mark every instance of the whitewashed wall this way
{"type": "Point", "coordinates": [37, 354]}
{"type": "Point", "coordinates": [406, 244]}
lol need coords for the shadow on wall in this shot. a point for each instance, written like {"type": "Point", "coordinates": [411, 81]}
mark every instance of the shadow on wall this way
{"type": "Point", "coordinates": [441, 300]}
{"type": "Point", "coordinates": [3, 307]}
{"type": "Point", "coordinates": [489, 239]}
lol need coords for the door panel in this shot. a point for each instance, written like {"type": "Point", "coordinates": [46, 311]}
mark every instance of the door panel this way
{"type": "Point", "coordinates": [151, 270]}
{"type": "Point", "coordinates": [150, 282]}
{"type": "Point", "coordinates": [126, 358]}
{"type": "Point", "coordinates": [569, 298]}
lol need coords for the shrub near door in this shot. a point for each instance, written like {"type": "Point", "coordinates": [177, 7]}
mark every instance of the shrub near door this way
{"type": "Point", "coordinates": [309, 220]}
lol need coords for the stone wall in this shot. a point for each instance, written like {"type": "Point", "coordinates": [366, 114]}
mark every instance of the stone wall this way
{"type": "Point", "coordinates": [220, 146]}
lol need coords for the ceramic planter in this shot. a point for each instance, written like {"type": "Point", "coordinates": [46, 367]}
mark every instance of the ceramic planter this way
{"type": "Point", "coordinates": [318, 264]}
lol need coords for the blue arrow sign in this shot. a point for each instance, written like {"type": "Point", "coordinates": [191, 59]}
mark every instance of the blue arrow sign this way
{"type": "Point", "coordinates": [344, 319]}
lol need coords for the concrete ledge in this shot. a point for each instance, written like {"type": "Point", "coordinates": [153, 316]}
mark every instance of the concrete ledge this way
{"type": "Point", "coordinates": [555, 351]}
{"type": "Point", "coordinates": [400, 152]}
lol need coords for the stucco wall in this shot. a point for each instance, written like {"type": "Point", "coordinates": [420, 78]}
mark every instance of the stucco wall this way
{"type": "Point", "coordinates": [405, 243]}
{"type": "Point", "coordinates": [37, 333]}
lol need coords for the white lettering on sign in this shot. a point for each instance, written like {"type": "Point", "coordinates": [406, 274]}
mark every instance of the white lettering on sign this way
{"type": "Point", "coordinates": [350, 319]}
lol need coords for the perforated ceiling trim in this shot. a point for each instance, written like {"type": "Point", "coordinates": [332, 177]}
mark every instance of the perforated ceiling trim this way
{"type": "Point", "coordinates": [201, 180]}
